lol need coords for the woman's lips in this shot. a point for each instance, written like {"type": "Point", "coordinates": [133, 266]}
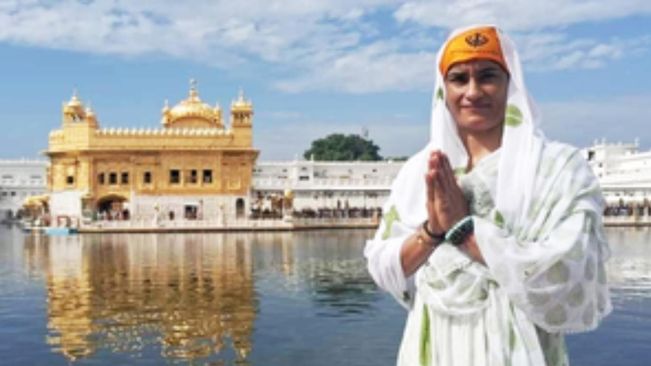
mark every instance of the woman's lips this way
{"type": "Point", "coordinates": [476, 107]}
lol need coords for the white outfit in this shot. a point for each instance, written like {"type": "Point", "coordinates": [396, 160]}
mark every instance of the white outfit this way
{"type": "Point", "coordinates": [536, 210]}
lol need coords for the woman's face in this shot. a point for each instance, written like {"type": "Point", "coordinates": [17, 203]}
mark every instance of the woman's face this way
{"type": "Point", "coordinates": [476, 94]}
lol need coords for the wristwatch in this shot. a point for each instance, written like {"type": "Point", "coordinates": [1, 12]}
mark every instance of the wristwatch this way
{"type": "Point", "coordinates": [460, 231]}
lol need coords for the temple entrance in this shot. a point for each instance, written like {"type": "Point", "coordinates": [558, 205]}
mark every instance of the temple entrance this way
{"type": "Point", "coordinates": [191, 211]}
{"type": "Point", "coordinates": [239, 208]}
{"type": "Point", "coordinates": [113, 207]}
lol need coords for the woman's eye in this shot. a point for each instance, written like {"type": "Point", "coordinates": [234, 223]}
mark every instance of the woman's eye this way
{"type": "Point", "coordinates": [458, 78]}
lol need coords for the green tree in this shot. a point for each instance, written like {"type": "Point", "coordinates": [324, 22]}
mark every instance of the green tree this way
{"type": "Point", "coordinates": [340, 147]}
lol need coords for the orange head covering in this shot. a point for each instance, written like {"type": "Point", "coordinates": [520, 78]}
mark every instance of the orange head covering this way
{"type": "Point", "coordinates": [473, 44]}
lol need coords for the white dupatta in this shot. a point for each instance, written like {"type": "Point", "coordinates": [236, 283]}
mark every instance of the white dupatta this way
{"type": "Point", "coordinates": [548, 208]}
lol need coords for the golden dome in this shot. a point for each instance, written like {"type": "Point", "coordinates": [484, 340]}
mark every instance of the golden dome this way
{"type": "Point", "coordinates": [193, 111]}
{"type": "Point", "coordinates": [241, 103]}
{"type": "Point", "coordinates": [74, 106]}
{"type": "Point", "coordinates": [74, 100]}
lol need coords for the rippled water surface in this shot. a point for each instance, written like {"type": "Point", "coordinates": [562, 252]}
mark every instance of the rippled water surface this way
{"type": "Point", "coordinates": [299, 298]}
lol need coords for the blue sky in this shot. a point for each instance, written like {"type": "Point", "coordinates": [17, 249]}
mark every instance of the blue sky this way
{"type": "Point", "coordinates": [314, 67]}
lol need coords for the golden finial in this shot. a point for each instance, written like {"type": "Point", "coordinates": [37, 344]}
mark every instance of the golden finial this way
{"type": "Point", "coordinates": [193, 89]}
{"type": "Point", "coordinates": [240, 101]}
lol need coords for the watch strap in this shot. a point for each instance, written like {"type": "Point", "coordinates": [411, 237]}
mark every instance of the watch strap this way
{"type": "Point", "coordinates": [460, 231]}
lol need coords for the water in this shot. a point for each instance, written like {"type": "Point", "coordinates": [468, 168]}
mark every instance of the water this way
{"type": "Point", "coordinates": [300, 298]}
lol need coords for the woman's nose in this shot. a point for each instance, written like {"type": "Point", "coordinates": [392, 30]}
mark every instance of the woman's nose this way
{"type": "Point", "coordinates": [474, 89]}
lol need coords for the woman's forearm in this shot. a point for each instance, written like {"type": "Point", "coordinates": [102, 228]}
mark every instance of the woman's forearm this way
{"type": "Point", "coordinates": [414, 253]}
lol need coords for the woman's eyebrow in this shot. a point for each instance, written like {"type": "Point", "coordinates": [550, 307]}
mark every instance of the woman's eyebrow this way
{"type": "Point", "coordinates": [490, 68]}
{"type": "Point", "coordinates": [452, 73]}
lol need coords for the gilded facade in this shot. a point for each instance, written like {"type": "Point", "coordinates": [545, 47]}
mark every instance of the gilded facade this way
{"type": "Point", "coordinates": [193, 166]}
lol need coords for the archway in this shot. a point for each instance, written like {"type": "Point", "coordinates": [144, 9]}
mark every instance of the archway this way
{"type": "Point", "coordinates": [112, 207]}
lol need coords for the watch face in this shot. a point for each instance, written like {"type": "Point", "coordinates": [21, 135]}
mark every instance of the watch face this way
{"type": "Point", "coordinates": [458, 234]}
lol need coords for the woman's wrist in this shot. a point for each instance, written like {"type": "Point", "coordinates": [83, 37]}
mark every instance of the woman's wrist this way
{"type": "Point", "coordinates": [459, 232]}
{"type": "Point", "coordinates": [432, 237]}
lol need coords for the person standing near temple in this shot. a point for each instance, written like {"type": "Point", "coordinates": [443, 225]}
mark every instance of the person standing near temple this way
{"type": "Point", "coordinates": [492, 236]}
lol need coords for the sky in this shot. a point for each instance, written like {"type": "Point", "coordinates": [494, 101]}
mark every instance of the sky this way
{"type": "Point", "coordinates": [314, 67]}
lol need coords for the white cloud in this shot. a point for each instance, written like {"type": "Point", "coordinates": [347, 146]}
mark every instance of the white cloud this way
{"type": "Point", "coordinates": [318, 44]}
{"type": "Point", "coordinates": [183, 29]}
{"type": "Point", "coordinates": [557, 51]}
{"type": "Point", "coordinates": [517, 15]}
{"type": "Point", "coordinates": [373, 68]}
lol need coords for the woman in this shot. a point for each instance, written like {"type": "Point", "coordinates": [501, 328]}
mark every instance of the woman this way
{"type": "Point", "coordinates": [492, 237]}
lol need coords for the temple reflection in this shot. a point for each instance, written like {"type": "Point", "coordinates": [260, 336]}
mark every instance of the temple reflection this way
{"type": "Point", "coordinates": [189, 296]}
{"type": "Point", "coordinates": [192, 296]}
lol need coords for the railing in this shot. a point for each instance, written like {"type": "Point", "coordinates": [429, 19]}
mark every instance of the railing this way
{"type": "Point", "coordinates": [232, 224]}
{"type": "Point", "coordinates": [625, 220]}
{"type": "Point", "coordinates": [324, 184]}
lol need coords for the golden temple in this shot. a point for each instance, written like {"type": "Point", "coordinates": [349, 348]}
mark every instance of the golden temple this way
{"type": "Point", "coordinates": [194, 166]}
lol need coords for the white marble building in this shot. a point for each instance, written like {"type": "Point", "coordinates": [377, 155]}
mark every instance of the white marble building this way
{"type": "Point", "coordinates": [20, 179]}
{"type": "Point", "coordinates": [327, 184]}
{"type": "Point", "coordinates": [623, 171]}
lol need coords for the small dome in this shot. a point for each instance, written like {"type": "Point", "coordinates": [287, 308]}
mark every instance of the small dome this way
{"type": "Point", "coordinates": [90, 114]}
{"type": "Point", "coordinates": [74, 106]}
{"type": "Point", "coordinates": [74, 100]}
{"type": "Point", "coordinates": [240, 102]}
{"type": "Point", "coordinates": [194, 109]}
